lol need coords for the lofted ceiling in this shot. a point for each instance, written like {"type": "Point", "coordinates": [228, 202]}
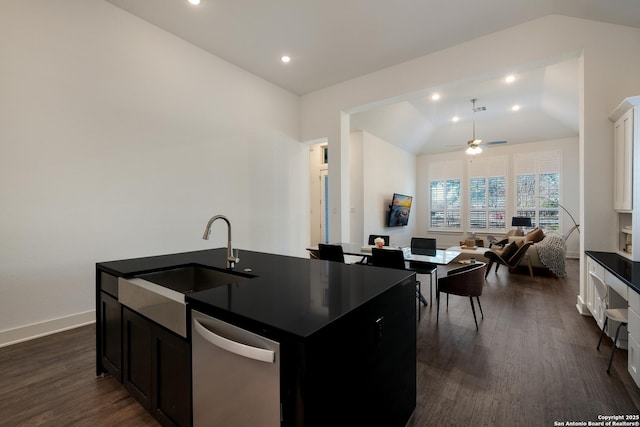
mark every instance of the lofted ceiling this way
{"type": "Point", "coordinates": [331, 41]}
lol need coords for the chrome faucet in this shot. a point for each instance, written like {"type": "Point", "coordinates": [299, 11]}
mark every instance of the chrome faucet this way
{"type": "Point", "coordinates": [231, 259]}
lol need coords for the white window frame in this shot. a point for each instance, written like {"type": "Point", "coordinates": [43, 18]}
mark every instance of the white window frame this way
{"type": "Point", "coordinates": [537, 165]}
{"type": "Point", "coordinates": [443, 172]}
{"type": "Point", "coordinates": [488, 168]}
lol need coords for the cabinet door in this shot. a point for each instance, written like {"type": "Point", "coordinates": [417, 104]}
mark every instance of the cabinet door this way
{"type": "Point", "coordinates": [111, 335]}
{"type": "Point", "coordinates": [623, 167]}
{"type": "Point", "coordinates": [634, 360]}
{"type": "Point", "coordinates": [137, 356]}
{"type": "Point", "coordinates": [171, 388]}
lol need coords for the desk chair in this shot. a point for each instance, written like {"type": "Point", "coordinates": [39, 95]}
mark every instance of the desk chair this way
{"type": "Point", "coordinates": [466, 281]}
{"type": "Point", "coordinates": [330, 252]}
{"type": "Point", "coordinates": [424, 246]}
{"type": "Point", "coordinates": [616, 314]}
{"type": "Point", "coordinates": [394, 258]}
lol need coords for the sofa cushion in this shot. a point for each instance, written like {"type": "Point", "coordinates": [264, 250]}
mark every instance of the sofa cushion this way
{"type": "Point", "coordinates": [535, 236]}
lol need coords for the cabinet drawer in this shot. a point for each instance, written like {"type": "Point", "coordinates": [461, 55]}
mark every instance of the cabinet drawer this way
{"type": "Point", "coordinates": [618, 285]}
{"type": "Point", "coordinates": [634, 325]}
{"type": "Point", "coordinates": [596, 268]}
{"type": "Point", "coordinates": [109, 284]}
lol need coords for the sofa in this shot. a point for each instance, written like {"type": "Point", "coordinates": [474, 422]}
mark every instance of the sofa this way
{"type": "Point", "coordinates": [547, 252]}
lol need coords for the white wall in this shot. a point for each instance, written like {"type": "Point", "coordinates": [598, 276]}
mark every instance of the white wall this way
{"type": "Point", "coordinates": [570, 180]}
{"type": "Point", "coordinates": [120, 140]}
{"type": "Point", "coordinates": [384, 170]}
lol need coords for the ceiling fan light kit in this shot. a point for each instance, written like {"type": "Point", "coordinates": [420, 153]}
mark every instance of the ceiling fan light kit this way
{"type": "Point", "coordinates": [474, 144]}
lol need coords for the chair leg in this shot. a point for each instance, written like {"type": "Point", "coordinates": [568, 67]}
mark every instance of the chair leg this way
{"type": "Point", "coordinates": [486, 272]}
{"type": "Point", "coordinates": [474, 312]}
{"type": "Point", "coordinates": [615, 340]}
{"type": "Point", "coordinates": [481, 313]}
{"type": "Point", "coordinates": [447, 302]}
{"type": "Point", "coordinates": [431, 286]}
{"type": "Point", "coordinates": [437, 304]}
{"type": "Point", "coordinates": [530, 268]}
{"type": "Point", "coordinates": [606, 319]}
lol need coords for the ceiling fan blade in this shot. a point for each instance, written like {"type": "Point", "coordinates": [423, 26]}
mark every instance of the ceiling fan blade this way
{"type": "Point", "coordinates": [495, 142]}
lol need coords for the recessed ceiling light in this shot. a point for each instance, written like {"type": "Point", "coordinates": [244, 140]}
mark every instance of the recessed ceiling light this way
{"type": "Point", "coordinates": [515, 107]}
{"type": "Point", "coordinates": [194, 2]}
{"type": "Point", "coordinates": [455, 119]}
{"type": "Point", "coordinates": [286, 59]}
{"type": "Point", "coordinates": [510, 78]}
{"type": "Point", "coordinates": [435, 96]}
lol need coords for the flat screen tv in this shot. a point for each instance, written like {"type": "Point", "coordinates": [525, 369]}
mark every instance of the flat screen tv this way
{"type": "Point", "coordinates": [400, 210]}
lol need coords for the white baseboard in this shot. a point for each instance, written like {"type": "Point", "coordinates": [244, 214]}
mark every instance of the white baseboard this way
{"type": "Point", "coordinates": [48, 327]}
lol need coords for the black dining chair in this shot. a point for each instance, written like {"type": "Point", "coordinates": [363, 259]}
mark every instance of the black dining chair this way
{"type": "Point", "coordinates": [330, 252]}
{"type": "Point", "coordinates": [394, 258]}
{"type": "Point", "coordinates": [424, 246]}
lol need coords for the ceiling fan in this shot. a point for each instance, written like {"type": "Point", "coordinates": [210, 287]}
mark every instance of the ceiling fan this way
{"type": "Point", "coordinates": [473, 145]}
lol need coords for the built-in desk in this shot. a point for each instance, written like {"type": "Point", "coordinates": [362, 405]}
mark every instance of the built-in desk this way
{"type": "Point", "coordinates": [623, 277]}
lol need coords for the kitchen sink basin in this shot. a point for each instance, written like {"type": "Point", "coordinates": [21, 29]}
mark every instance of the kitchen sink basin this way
{"type": "Point", "coordinates": [160, 295]}
{"type": "Point", "coordinates": [192, 278]}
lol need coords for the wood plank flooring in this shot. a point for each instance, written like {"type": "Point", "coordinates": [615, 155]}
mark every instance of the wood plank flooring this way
{"type": "Point", "coordinates": [532, 362]}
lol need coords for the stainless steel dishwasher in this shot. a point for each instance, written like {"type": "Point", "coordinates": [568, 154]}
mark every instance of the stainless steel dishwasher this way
{"type": "Point", "coordinates": [236, 375]}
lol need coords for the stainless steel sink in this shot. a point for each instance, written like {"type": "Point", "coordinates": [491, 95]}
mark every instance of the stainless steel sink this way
{"type": "Point", "coordinates": [192, 278]}
{"type": "Point", "coordinates": [160, 295]}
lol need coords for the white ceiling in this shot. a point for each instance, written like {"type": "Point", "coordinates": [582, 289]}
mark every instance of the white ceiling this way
{"type": "Point", "coordinates": [331, 41]}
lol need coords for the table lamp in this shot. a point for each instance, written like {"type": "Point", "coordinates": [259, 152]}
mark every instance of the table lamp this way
{"type": "Point", "coordinates": [520, 221]}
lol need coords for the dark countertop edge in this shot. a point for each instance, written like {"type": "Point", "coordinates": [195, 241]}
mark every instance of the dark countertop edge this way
{"type": "Point", "coordinates": [612, 262]}
{"type": "Point", "coordinates": [213, 258]}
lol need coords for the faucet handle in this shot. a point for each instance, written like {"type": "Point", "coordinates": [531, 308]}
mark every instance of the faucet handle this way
{"type": "Point", "coordinates": [234, 257]}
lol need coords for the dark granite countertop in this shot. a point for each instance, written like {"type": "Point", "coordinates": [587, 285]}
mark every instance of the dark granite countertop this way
{"type": "Point", "coordinates": [624, 269]}
{"type": "Point", "coordinates": [293, 295]}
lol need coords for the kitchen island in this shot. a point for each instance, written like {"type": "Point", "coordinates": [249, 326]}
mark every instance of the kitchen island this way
{"type": "Point", "coordinates": [347, 336]}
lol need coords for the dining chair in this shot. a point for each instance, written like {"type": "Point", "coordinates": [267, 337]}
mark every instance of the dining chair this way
{"type": "Point", "coordinates": [394, 258]}
{"type": "Point", "coordinates": [510, 257]}
{"type": "Point", "coordinates": [466, 281]}
{"type": "Point", "coordinates": [424, 246]}
{"type": "Point", "coordinates": [330, 252]}
{"type": "Point", "coordinates": [620, 315]}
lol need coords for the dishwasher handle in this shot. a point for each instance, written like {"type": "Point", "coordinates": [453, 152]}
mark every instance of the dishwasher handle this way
{"type": "Point", "coordinates": [260, 354]}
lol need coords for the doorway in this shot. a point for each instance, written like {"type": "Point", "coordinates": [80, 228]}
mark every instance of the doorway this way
{"type": "Point", "coordinates": [319, 188]}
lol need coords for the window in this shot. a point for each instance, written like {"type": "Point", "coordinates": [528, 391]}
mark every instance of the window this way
{"type": "Point", "coordinates": [487, 193]}
{"type": "Point", "coordinates": [538, 189]}
{"type": "Point", "coordinates": [487, 204]}
{"type": "Point", "coordinates": [445, 204]}
{"type": "Point", "coordinates": [445, 196]}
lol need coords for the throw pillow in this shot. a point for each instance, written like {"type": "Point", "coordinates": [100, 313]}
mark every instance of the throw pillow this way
{"type": "Point", "coordinates": [508, 252]}
{"type": "Point", "coordinates": [535, 236]}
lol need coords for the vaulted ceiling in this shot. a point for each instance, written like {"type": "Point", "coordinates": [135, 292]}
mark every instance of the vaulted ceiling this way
{"type": "Point", "coordinates": [331, 41]}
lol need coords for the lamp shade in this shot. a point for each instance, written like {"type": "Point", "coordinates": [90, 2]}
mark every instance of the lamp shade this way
{"type": "Point", "coordinates": [520, 221]}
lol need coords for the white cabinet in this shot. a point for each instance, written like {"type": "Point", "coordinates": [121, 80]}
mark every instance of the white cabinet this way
{"type": "Point", "coordinates": [593, 302]}
{"type": "Point", "coordinates": [626, 175]}
{"type": "Point", "coordinates": [618, 294]}
{"type": "Point", "coordinates": [634, 336]}
{"type": "Point", "coordinates": [623, 166]}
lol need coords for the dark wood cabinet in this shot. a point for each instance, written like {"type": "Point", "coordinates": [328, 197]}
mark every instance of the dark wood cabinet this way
{"type": "Point", "coordinates": [157, 369]}
{"type": "Point", "coordinates": [110, 338]}
{"type": "Point", "coordinates": [137, 356]}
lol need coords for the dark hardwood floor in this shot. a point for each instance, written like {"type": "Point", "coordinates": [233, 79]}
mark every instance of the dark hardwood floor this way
{"type": "Point", "coordinates": [532, 362]}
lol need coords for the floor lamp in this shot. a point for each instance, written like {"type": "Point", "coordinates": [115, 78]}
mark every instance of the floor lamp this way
{"type": "Point", "coordinates": [576, 226]}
